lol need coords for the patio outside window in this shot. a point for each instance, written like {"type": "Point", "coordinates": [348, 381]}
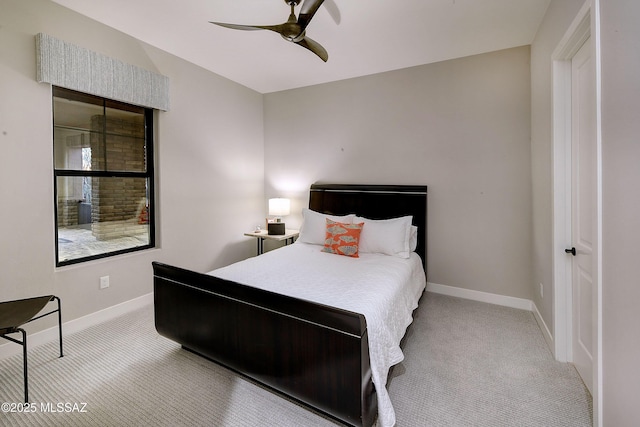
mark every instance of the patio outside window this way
{"type": "Point", "coordinates": [103, 177]}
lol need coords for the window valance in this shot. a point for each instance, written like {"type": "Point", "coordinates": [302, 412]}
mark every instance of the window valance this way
{"type": "Point", "coordinates": [73, 67]}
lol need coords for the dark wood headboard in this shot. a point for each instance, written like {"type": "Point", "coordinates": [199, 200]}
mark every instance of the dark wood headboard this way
{"type": "Point", "coordinates": [375, 202]}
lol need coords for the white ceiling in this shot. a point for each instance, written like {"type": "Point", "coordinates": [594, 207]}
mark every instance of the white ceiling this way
{"type": "Point", "coordinates": [371, 36]}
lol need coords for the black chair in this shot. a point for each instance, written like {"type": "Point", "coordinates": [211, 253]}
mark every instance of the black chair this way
{"type": "Point", "coordinates": [14, 314]}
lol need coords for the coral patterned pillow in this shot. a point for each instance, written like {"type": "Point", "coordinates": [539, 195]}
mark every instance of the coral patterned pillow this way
{"type": "Point", "coordinates": [342, 239]}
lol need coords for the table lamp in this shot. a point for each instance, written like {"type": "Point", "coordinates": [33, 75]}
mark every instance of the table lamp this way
{"type": "Point", "coordinates": [278, 207]}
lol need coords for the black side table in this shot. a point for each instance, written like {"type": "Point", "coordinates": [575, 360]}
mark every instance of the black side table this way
{"type": "Point", "coordinates": [289, 237]}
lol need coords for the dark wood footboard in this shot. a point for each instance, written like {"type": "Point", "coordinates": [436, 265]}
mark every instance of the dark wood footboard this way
{"type": "Point", "coordinates": [315, 354]}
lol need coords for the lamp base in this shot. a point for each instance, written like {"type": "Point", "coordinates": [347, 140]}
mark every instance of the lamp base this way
{"type": "Point", "coordinates": [275, 228]}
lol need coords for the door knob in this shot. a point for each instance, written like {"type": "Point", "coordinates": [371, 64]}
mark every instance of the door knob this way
{"type": "Point", "coordinates": [571, 251]}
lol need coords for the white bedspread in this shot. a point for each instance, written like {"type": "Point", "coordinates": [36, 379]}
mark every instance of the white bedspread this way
{"type": "Point", "coordinates": [383, 288]}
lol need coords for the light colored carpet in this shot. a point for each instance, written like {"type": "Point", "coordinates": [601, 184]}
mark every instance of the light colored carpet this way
{"type": "Point", "coordinates": [467, 364]}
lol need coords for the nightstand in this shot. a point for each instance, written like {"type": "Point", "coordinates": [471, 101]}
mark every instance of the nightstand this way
{"type": "Point", "coordinates": [289, 236]}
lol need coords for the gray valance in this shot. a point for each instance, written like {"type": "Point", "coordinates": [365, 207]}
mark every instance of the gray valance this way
{"type": "Point", "coordinates": [73, 67]}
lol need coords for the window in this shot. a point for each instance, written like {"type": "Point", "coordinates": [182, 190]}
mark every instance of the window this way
{"type": "Point", "coordinates": [103, 177]}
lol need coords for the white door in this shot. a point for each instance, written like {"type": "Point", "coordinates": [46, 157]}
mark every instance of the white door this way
{"type": "Point", "coordinates": [584, 211]}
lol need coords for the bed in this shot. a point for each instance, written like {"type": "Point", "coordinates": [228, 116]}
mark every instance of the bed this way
{"type": "Point", "coordinates": [322, 352]}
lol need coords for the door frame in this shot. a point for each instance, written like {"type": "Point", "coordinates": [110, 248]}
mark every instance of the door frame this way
{"type": "Point", "coordinates": [584, 26]}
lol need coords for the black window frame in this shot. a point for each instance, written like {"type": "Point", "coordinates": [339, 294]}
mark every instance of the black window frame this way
{"type": "Point", "coordinates": [148, 174]}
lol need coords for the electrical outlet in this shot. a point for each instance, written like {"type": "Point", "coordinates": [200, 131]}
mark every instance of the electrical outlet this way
{"type": "Point", "coordinates": [104, 282]}
{"type": "Point", "coordinates": [541, 291]}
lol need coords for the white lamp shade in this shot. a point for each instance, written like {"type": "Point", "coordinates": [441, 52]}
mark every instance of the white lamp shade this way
{"type": "Point", "coordinates": [279, 207]}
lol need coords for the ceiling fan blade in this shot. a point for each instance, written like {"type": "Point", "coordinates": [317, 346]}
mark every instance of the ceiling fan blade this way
{"type": "Point", "coordinates": [314, 47]}
{"type": "Point", "coordinates": [276, 28]}
{"type": "Point", "coordinates": [308, 9]}
{"type": "Point", "coordinates": [333, 10]}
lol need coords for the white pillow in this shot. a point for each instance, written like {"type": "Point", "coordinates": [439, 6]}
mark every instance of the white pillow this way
{"type": "Point", "coordinates": [413, 241]}
{"type": "Point", "coordinates": [314, 226]}
{"type": "Point", "coordinates": [386, 236]}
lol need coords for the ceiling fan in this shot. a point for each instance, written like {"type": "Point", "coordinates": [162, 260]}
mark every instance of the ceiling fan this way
{"type": "Point", "coordinates": [294, 30]}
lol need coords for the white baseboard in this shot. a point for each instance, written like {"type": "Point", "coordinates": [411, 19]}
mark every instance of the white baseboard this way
{"type": "Point", "coordinates": [109, 313]}
{"type": "Point", "coordinates": [75, 325]}
{"type": "Point", "coordinates": [546, 333]}
{"type": "Point", "coordinates": [513, 302]}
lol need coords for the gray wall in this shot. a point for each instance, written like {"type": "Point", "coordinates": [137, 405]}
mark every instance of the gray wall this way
{"type": "Point", "coordinates": [620, 36]}
{"type": "Point", "coordinates": [209, 150]}
{"type": "Point", "coordinates": [462, 127]}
